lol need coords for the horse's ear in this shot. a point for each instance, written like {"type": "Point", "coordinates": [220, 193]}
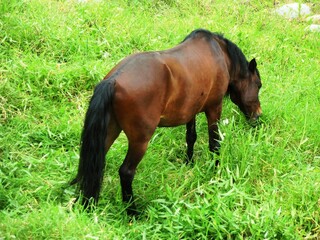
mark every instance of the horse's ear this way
{"type": "Point", "coordinates": [252, 65]}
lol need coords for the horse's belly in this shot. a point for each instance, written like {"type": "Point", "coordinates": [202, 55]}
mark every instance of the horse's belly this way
{"type": "Point", "coordinates": [172, 122]}
{"type": "Point", "coordinates": [182, 109]}
{"type": "Point", "coordinates": [176, 118]}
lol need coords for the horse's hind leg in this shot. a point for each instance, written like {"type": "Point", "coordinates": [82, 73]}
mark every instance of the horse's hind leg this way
{"type": "Point", "coordinates": [191, 137]}
{"type": "Point", "coordinates": [112, 133]}
{"type": "Point", "coordinates": [136, 150]}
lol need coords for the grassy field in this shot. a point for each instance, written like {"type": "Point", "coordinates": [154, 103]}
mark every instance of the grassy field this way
{"type": "Point", "coordinates": [53, 53]}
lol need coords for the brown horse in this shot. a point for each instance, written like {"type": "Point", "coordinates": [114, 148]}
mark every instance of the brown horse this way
{"type": "Point", "coordinates": [164, 88]}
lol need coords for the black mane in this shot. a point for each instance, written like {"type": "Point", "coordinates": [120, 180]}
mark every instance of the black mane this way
{"type": "Point", "coordinates": [235, 54]}
{"type": "Point", "coordinates": [198, 32]}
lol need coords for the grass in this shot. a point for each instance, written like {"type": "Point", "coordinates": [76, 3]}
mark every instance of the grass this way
{"type": "Point", "coordinates": [52, 53]}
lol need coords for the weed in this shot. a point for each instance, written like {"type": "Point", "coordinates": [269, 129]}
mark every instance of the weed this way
{"type": "Point", "coordinates": [52, 53]}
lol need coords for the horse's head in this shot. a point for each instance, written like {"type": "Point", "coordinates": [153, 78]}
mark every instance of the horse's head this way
{"type": "Point", "coordinates": [244, 92]}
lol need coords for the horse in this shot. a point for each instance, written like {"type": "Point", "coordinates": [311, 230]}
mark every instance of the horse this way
{"type": "Point", "coordinates": [163, 89]}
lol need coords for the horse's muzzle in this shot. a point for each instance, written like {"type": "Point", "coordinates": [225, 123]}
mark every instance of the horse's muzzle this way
{"type": "Point", "coordinates": [255, 116]}
{"type": "Point", "coordinates": [258, 113]}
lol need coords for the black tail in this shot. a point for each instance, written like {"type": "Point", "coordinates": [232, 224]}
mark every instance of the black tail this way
{"type": "Point", "coordinates": [92, 152]}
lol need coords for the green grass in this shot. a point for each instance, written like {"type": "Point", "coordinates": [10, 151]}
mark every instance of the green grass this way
{"type": "Point", "coordinates": [52, 53]}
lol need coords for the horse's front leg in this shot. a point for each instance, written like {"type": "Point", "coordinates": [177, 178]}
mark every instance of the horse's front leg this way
{"type": "Point", "coordinates": [214, 138]}
{"type": "Point", "coordinates": [213, 117]}
{"type": "Point", "coordinates": [191, 137]}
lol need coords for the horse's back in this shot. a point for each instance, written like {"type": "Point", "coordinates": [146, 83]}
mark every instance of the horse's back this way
{"type": "Point", "coordinates": [168, 88]}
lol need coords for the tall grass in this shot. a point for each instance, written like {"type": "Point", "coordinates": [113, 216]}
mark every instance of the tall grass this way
{"type": "Point", "coordinates": [52, 53]}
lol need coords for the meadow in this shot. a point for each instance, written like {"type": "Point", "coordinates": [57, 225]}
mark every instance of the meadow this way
{"type": "Point", "coordinates": [53, 53]}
